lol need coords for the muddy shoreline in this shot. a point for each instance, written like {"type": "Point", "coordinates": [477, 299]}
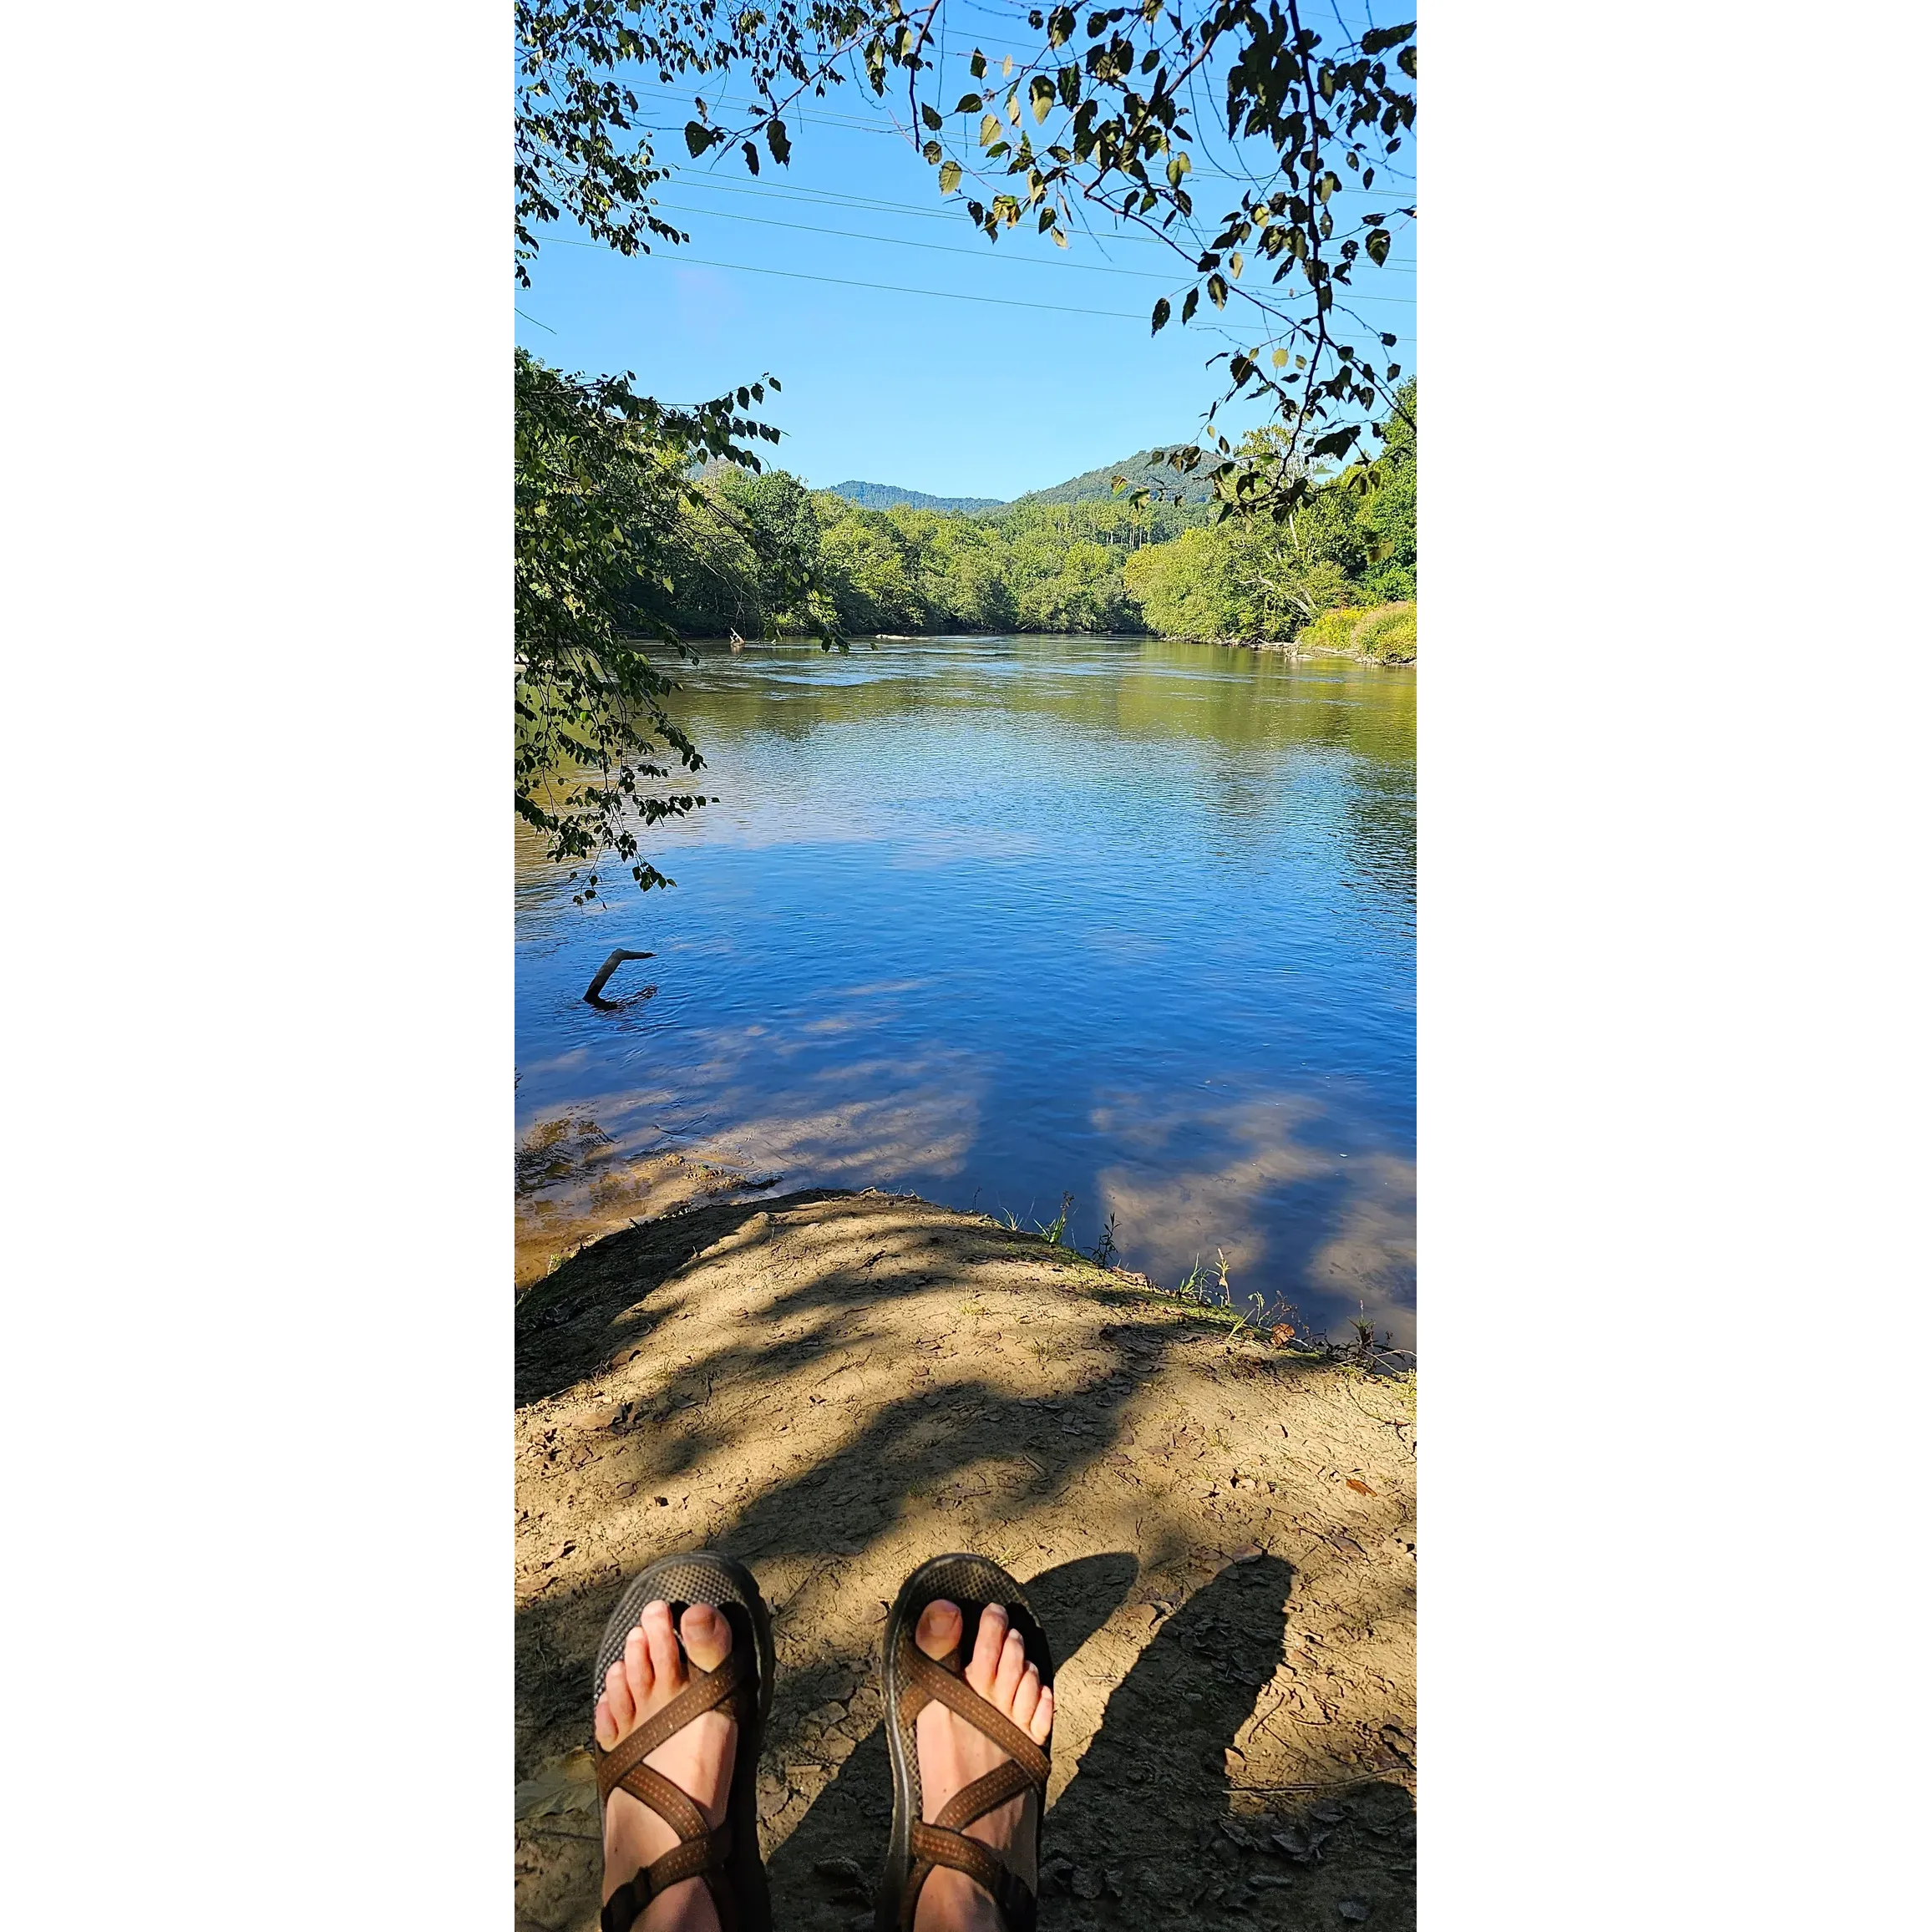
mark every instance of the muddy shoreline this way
{"type": "Point", "coordinates": [1219, 1535]}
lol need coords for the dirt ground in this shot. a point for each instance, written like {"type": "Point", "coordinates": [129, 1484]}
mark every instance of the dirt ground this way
{"type": "Point", "coordinates": [1218, 1537]}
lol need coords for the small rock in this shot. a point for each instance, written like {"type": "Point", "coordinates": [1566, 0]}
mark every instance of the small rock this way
{"type": "Point", "coordinates": [1355, 1911]}
{"type": "Point", "coordinates": [1327, 1814]}
{"type": "Point", "coordinates": [1086, 1882]}
{"type": "Point", "coordinates": [845, 1871]}
{"type": "Point", "coordinates": [1114, 1884]}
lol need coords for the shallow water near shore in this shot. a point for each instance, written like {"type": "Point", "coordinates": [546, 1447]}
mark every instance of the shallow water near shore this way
{"type": "Point", "coordinates": [995, 919]}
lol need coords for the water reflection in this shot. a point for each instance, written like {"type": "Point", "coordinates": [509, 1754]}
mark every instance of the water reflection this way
{"type": "Point", "coordinates": [989, 919]}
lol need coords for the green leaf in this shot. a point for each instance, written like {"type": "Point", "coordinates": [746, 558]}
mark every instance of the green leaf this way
{"type": "Point", "coordinates": [931, 115]}
{"type": "Point", "coordinates": [778, 140]}
{"type": "Point", "coordinates": [989, 129]}
{"type": "Point", "coordinates": [1178, 166]}
{"type": "Point", "coordinates": [1041, 95]}
{"type": "Point", "coordinates": [1377, 246]}
{"type": "Point", "coordinates": [1381, 40]}
{"type": "Point", "coordinates": [698, 138]}
{"type": "Point", "coordinates": [1161, 313]}
{"type": "Point", "coordinates": [949, 175]}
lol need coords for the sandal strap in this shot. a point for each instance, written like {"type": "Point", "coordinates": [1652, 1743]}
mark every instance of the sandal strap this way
{"type": "Point", "coordinates": [974, 1801]}
{"type": "Point", "coordinates": [650, 1786]}
{"type": "Point", "coordinates": [703, 1857]}
{"type": "Point", "coordinates": [933, 1845]}
{"type": "Point", "coordinates": [706, 1692]}
{"type": "Point", "coordinates": [929, 1682]}
{"type": "Point", "coordinates": [1027, 1769]}
{"type": "Point", "coordinates": [700, 1852]}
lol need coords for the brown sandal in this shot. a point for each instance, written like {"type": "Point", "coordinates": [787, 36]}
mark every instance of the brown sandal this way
{"type": "Point", "coordinates": [726, 1860]}
{"type": "Point", "coordinates": [913, 1681]}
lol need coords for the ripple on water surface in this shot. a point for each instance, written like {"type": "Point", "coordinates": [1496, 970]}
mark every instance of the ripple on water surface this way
{"type": "Point", "coordinates": [991, 919]}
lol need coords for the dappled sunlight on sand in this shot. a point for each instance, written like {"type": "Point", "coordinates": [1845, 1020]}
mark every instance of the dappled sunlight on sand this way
{"type": "Point", "coordinates": [1218, 1535]}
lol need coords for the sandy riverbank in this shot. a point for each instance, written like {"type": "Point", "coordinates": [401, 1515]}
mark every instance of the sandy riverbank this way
{"type": "Point", "coordinates": [1220, 1538]}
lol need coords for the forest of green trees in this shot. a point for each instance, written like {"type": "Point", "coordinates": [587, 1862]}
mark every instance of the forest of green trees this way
{"type": "Point", "coordinates": [1096, 565]}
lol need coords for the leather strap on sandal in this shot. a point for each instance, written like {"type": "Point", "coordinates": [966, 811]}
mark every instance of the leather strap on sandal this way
{"type": "Point", "coordinates": [700, 1853]}
{"type": "Point", "coordinates": [944, 1841]}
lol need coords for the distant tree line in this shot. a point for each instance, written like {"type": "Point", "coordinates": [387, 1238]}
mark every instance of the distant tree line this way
{"type": "Point", "coordinates": [741, 544]}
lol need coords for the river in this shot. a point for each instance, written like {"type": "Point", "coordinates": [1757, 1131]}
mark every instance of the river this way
{"type": "Point", "coordinates": [994, 920]}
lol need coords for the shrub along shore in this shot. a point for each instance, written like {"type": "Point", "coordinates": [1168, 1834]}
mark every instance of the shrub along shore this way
{"type": "Point", "coordinates": [1385, 634]}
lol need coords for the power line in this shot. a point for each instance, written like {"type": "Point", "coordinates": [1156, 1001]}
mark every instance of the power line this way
{"type": "Point", "coordinates": [896, 288]}
{"type": "Point", "coordinates": [933, 248]}
{"type": "Point", "coordinates": [805, 114]}
{"type": "Point", "coordinates": [892, 288]}
{"type": "Point", "coordinates": [830, 197]}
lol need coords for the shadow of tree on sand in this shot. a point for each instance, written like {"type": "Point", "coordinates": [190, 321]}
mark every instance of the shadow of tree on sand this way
{"type": "Point", "coordinates": [834, 1386]}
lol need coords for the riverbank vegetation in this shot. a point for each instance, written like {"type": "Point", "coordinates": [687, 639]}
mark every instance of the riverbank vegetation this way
{"type": "Point", "coordinates": [742, 545]}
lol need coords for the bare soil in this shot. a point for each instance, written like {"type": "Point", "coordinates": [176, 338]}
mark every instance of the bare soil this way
{"type": "Point", "coordinates": [1218, 1535]}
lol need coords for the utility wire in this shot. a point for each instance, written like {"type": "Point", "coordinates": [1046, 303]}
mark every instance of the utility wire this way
{"type": "Point", "coordinates": [805, 114]}
{"type": "Point", "coordinates": [893, 288]}
{"type": "Point", "coordinates": [830, 198]}
{"type": "Point", "coordinates": [898, 288]}
{"type": "Point", "coordinates": [948, 295]}
{"type": "Point", "coordinates": [933, 247]}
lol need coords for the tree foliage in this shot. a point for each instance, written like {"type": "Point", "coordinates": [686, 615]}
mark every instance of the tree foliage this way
{"type": "Point", "coordinates": [604, 505]}
{"type": "Point", "coordinates": [1106, 565]}
{"type": "Point", "coordinates": [1103, 119]}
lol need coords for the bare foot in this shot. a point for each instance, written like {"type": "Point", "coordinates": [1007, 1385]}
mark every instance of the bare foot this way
{"type": "Point", "coordinates": [698, 1759]}
{"type": "Point", "coordinates": [953, 1754]}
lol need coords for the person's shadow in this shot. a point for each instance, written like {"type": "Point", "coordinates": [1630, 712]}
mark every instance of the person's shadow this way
{"type": "Point", "coordinates": [1155, 1828]}
{"type": "Point", "coordinates": [1146, 1830]}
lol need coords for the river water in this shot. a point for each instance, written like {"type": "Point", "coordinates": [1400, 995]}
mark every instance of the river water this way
{"type": "Point", "coordinates": [993, 920]}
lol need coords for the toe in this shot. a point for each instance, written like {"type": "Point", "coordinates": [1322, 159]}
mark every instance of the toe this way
{"type": "Point", "coordinates": [940, 1627]}
{"type": "Point", "coordinates": [637, 1672]}
{"type": "Point", "coordinates": [604, 1725]}
{"type": "Point", "coordinates": [985, 1665]}
{"type": "Point", "coordinates": [1041, 1727]}
{"type": "Point", "coordinates": [706, 1636]}
{"type": "Point", "coordinates": [667, 1660]}
{"type": "Point", "coordinates": [617, 1696]}
{"type": "Point", "coordinates": [1027, 1696]}
{"type": "Point", "coordinates": [1012, 1668]}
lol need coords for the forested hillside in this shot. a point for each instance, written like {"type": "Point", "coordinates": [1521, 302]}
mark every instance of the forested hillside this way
{"type": "Point", "coordinates": [1048, 562]}
{"type": "Point", "coordinates": [1141, 472]}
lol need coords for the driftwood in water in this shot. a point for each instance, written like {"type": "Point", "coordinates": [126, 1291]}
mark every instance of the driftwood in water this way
{"type": "Point", "coordinates": [594, 993]}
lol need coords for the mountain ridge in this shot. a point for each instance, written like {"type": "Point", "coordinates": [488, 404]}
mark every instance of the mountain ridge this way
{"type": "Point", "coordinates": [1090, 486]}
{"type": "Point", "coordinates": [892, 496]}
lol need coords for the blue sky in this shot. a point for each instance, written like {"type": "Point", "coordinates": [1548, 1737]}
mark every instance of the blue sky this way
{"type": "Point", "coordinates": [957, 398]}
